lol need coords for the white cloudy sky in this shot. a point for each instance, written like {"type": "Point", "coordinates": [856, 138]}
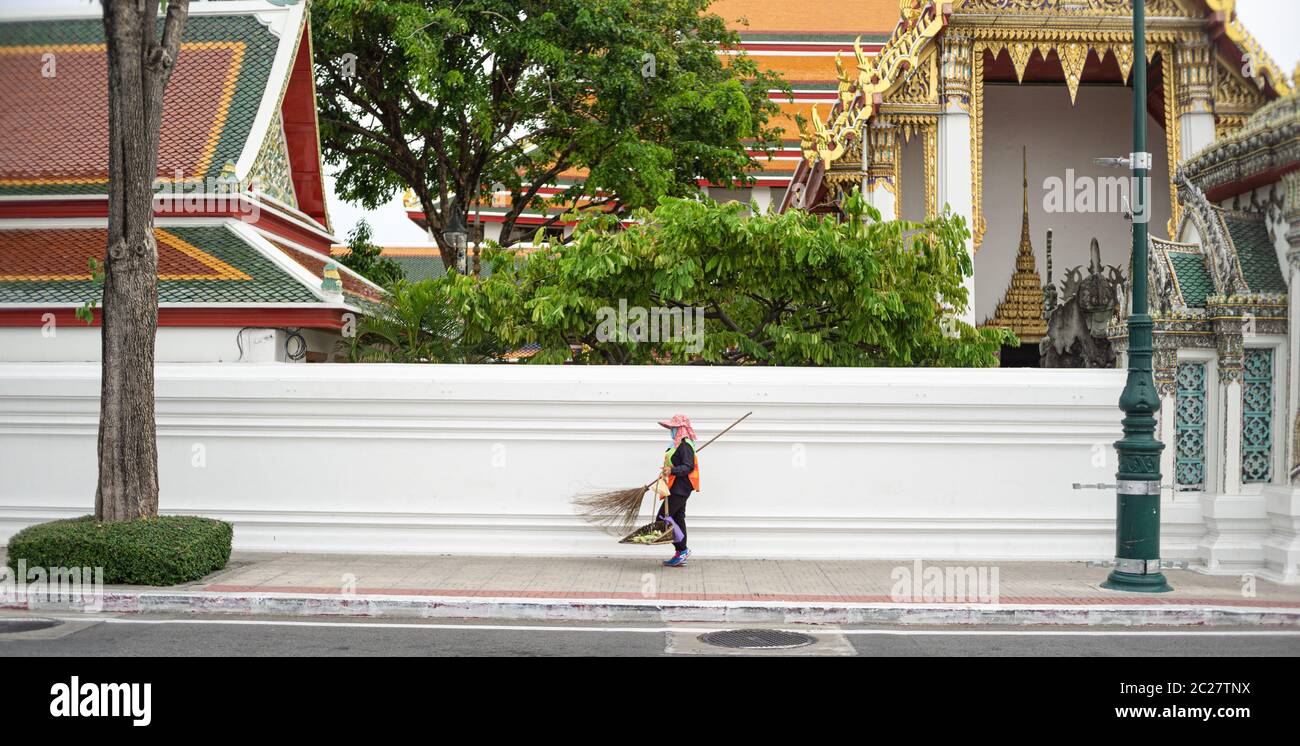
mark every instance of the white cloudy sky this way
{"type": "Point", "coordinates": [1273, 22]}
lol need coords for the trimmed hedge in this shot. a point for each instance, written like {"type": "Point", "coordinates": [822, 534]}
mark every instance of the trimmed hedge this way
{"type": "Point", "coordinates": [165, 550]}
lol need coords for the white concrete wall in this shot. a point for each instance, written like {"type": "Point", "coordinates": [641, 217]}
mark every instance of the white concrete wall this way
{"type": "Point", "coordinates": [386, 458]}
{"type": "Point", "coordinates": [82, 343]}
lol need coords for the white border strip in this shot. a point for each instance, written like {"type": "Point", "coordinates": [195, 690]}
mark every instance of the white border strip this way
{"type": "Point", "coordinates": [470, 626]}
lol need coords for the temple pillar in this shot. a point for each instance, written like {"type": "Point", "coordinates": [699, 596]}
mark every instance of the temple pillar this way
{"type": "Point", "coordinates": [1282, 501]}
{"type": "Point", "coordinates": [1233, 521]}
{"type": "Point", "coordinates": [1195, 96]}
{"type": "Point", "coordinates": [1164, 364]}
{"type": "Point", "coordinates": [881, 183]}
{"type": "Point", "coordinates": [1228, 333]}
{"type": "Point", "coordinates": [954, 146]}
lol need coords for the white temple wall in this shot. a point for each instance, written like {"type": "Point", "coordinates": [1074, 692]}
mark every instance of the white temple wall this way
{"type": "Point", "coordinates": [446, 459]}
{"type": "Point", "coordinates": [864, 462]}
{"type": "Point", "coordinates": [1059, 137]}
{"type": "Point", "coordinates": [80, 343]}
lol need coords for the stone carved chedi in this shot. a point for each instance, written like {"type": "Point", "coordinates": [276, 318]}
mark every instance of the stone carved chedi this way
{"type": "Point", "coordinates": [1076, 329]}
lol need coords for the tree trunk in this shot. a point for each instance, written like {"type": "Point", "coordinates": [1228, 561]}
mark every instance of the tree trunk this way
{"type": "Point", "coordinates": [139, 66]}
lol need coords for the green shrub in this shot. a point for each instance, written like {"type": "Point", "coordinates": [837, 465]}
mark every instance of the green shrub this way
{"type": "Point", "coordinates": [151, 551]}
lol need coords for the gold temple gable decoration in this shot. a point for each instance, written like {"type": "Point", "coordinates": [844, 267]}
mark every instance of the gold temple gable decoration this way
{"type": "Point", "coordinates": [1173, 132]}
{"type": "Point", "coordinates": [1021, 308]}
{"type": "Point", "coordinates": [1072, 47]}
{"type": "Point", "coordinates": [979, 226]}
{"type": "Point", "coordinates": [910, 10]}
{"type": "Point", "coordinates": [919, 85]}
{"type": "Point", "coordinates": [1265, 68]}
{"type": "Point", "coordinates": [907, 77]}
{"type": "Point", "coordinates": [1073, 7]}
{"type": "Point", "coordinates": [1235, 98]}
{"type": "Point", "coordinates": [1020, 53]}
{"type": "Point", "coordinates": [876, 75]}
{"type": "Point", "coordinates": [1073, 56]}
{"type": "Point", "coordinates": [1124, 56]}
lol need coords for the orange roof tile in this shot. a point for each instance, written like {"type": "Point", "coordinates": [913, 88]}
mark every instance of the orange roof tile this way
{"type": "Point", "coordinates": [815, 17]}
{"type": "Point", "coordinates": [37, 254]}
{"type": "Point", "coordinates": [314, 264]}
{"type": "Point", "coordinates": [54, 85]}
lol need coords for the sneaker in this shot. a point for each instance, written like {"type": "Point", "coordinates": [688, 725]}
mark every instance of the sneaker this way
{"type": "Point", "coordinates": [678, 559]}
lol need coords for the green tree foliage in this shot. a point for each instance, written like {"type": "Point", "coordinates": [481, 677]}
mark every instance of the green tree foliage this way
{"type": "Point", "coordinates": [458, 97]}
{"type": "Point", "coordinates": [787, 289]}
{"type": "Point", "coordinates": [367, 260]}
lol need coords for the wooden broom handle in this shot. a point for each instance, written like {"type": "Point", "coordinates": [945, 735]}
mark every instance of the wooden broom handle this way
{"type": "Point", "coordinates": [724, 432]}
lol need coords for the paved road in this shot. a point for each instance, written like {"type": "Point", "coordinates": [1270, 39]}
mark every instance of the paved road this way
{"type": "Point", "coordinates": [244, 636]}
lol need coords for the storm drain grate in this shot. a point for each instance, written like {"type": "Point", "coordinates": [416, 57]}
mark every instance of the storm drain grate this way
{"type": "Point", "coordinates": [14, 626]}
{"type": "Point", "coordinates": [757, 639]}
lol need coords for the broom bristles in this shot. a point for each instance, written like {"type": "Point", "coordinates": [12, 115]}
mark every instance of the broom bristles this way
{"type": "Point", "coordinates": [615, 510]}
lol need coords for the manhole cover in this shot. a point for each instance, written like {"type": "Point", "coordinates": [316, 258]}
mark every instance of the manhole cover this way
{"type": "Point", "coordinates": [757, 639]}
{"type": "Point", "coordinates": [14, 626]}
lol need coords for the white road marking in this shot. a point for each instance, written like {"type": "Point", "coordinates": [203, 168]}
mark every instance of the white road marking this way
{"type": "Point", "coordinates": [687, 628]}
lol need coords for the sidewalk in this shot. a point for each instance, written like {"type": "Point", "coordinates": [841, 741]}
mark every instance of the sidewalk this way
{"type": "Point", "coordinates": [639, 589]}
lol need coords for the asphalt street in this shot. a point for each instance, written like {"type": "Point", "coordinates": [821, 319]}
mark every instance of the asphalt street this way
{"type": "Point", "coordinates": [263, 636]}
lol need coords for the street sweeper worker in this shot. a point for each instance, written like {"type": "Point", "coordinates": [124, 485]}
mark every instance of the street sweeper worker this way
{"type": "Point", "coordinates": [681, 473]}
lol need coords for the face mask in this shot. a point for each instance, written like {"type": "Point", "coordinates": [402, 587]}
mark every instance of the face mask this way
{"type": "Point", "coordinates": [672, 434]}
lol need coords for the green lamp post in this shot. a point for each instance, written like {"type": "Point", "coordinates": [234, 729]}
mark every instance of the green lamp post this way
{"type": "Point", "coordinates": [1137, 520]}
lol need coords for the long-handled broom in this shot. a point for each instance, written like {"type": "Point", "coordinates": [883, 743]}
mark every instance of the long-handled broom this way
{"type": "Point", "coordinates": [616, 510]}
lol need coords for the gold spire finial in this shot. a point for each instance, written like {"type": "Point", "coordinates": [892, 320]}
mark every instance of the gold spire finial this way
{"type": "Point", "coordinates": [1021, 309]}
{"type": "Point", "coordinates": [1026, 245]}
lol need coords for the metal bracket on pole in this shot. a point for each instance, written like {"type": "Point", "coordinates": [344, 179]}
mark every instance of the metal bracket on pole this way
{"type": "Point", "coordinates": [1140, 160]}
{"type": "Point", "coordinates": [1137, 487]}
{"type": "Point", "coordinates": [1137, 566]}
{"type": "Point", "coordinates": [1126, 485]}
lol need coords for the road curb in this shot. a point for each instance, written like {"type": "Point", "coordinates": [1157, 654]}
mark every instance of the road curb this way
{"type": "Point", "coordinates": [651, 610]}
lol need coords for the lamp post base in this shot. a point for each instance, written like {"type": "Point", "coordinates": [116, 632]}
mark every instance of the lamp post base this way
{"type": "Point", "coordinates": [1137, 583]}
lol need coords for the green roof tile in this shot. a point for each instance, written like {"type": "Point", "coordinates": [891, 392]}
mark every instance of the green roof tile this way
{"type": "Point", "coordinates": [1193, 280]}
{"type": "Point", "coordinates": [1255, 251]}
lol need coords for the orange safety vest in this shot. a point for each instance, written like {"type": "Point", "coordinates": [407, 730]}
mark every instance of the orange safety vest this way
{"type": "Point", "coordinates": [694, 476]}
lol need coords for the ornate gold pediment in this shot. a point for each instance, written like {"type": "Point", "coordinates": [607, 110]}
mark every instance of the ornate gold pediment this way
{"type": "Point", "coordinates": [919, 85]}
{"type": "Point", "coordinates": [898, 64]}
{"type": "Point", "coordinates": [1073, 7]}
{"type": "Point", "coordinates": [1235, 98]}
{"type": "Point", "coordinates": [1264, 66]}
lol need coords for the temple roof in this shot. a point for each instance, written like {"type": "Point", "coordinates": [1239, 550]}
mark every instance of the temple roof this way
{"type": "Point", "coordinates": [416, 262]}
{"type": "Point", "coordinates": [1256, 257]}
{"type": "Point", "coordinates": [1186, 264]}
{"type": "Point", "coordinates": [873, 78]}
{"type": "Point", "coordinates": [800, 41]}
{"type": "Point", "coordinates": [57, 128]}
{"type": "Point", "coordinates": [1266, 147]}
{"type": "Point", "coordinates": [239, 129]}
{"type": "Point", "coordinates": [1250, 254]}
{"type": "Point", "coordinates": [240, 104]}
{"type": "Point", "coordinates": [213, 264]}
